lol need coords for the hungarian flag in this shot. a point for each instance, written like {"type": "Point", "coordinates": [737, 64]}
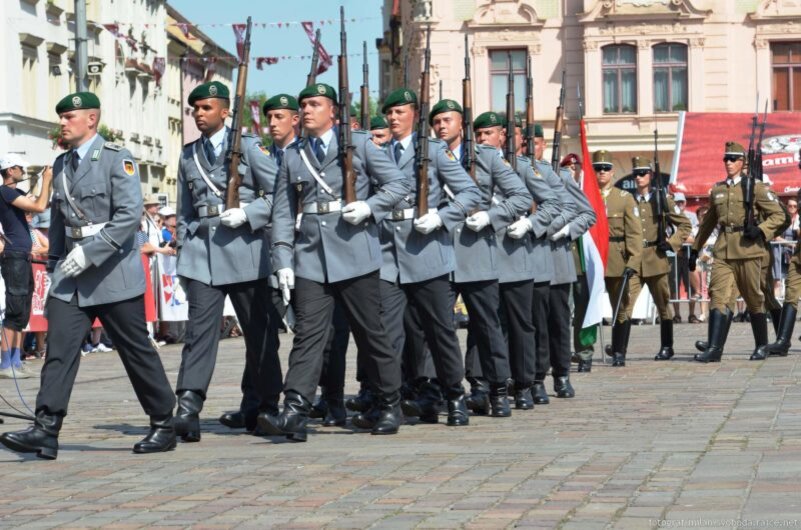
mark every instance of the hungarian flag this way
{"type": "Point", "coordinates": [594, 247]}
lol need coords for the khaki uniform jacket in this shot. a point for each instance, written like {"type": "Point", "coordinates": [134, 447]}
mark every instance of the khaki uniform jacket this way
{"type": "Point", "coordinates": [655, 262]}
{"type": "Point", "coordinates": [726, 208]}
{"type": "Point", "coordinates": [625, 231]}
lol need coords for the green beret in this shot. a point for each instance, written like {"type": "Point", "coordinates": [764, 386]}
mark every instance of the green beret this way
{"type": "Point", "coordinates": [602, 157]}
{"type": "Point", "coordinates": [538, 131]}
{"type": "Point", "coordinates": [487, 119]}
{"type": "Point", "coordinates": [78, 101]}
{"type": "Point", "coordinates": [640, 162]}
{"type": "Point", "coordinates": [401, 96]}
{"type": "Point", "coordinates": [446, 105]}
{"type": "Point", "coordinates": [733, 148]}
{"type": "Point", "coordinates": [378, 122]}
{"type": "Point", "coordinates": [280, 101]}
{"type": "Point", "coordinates": [318, 89]}
{"type": "Point", "coordinates": [213, 89]}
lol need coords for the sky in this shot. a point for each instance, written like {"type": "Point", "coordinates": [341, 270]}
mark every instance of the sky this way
{"type": "Point", "coordinates": [289, 76]}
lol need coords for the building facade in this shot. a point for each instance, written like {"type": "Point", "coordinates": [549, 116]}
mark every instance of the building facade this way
{"type": "Point", "coordinates": [636, 63]}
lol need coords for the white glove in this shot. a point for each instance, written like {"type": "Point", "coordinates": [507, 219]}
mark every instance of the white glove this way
{"type": "Point", "coordinates": [519, 228]}
{"type": "Point", "coordinates": [477, 221]}
{"type": "Point", "coordinates": [233, 218]}
{"type": "Point", "coordinates": [75, 263]}
{"type": "Point", "coordinates": [428, 223]}
{"type": "Point", "coordinates": [356, 212]}
{"type": "Point", "coordinates": [286, 281]}
{"type": "Point", "coordinates": [563, 232]}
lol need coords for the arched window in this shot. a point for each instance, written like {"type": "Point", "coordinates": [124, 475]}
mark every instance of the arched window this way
{"type": "Point", "coordinates": [670, 77]}
{"type": "Point", "coordinates": [620, 78]}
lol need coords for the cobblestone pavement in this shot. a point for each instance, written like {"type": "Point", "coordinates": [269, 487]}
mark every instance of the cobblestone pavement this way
{"type": "Point", "coordinates": [676, 444]}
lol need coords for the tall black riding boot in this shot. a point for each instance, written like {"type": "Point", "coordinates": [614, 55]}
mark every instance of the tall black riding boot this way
{"type": "Point", "coordinates": [782, 345]}
{"type": "Point", "coordinates": [759, 326]}
{"type": "Point", "coordinates": [776, 318]}
{"type": "Point", "coordinates": [666, 334]}
{"type": "Point", "coordinates": [160, 438]}
{"type": "Point", "coordinates": [620, 341]}
{"type": "Point", "coordinates": [701, 345]}
{"type": "Point", "coordinates": [187, 416]}
{"type": "Point", "coordinates": [718, 329]}
{"type": "Point", "coordinates": [40, 438]}
{"type": "Point", "coordinates": [291, 422]}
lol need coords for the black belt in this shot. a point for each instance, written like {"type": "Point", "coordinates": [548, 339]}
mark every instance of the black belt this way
{"type": "Point", "coordinates": [617, 239]}
{"type": "Point", "coordinates": [646, 244]}
{"type": "Point", "coordinates": [729, 229]}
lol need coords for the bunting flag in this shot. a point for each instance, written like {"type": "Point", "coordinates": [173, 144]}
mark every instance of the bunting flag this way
{"type": "Point", "coordinates": [261, 61]}
{"type": "Point", "coordinates": [255, 113]}
{"type": "Point", "coordinates": [324, 61]}
{"type": "Point", "coordinates": [159, 66]}
{"type": "Point", "coordinates": [114, 29]}
{"type": "Point", "coordinates": [239, 33]}
{"type": "Point", "coordinates": [184, 27]}
{"type": "Point", "coordinates": [594, 248]}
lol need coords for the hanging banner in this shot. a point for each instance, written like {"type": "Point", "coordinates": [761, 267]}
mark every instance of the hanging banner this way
{"type": "Point", "coordinates": [325, 60]}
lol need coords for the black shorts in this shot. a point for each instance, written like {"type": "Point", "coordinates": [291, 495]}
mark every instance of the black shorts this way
{"type": "Point", "coordinates": [18, 277]}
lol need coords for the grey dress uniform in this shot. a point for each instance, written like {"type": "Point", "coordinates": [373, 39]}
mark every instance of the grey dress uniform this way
{"type": "Point", "coordinates": [215, 260]}
{"type": "Point", "coordinates": [106, 193]}
{"type": "Point", "coordinates": [416, 266]}
{"type": "Point", "coordinates": [333, 259]}
{"type": "Point", "coordinates": [476, 274]}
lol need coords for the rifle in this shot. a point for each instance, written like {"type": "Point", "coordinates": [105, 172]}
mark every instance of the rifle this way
{"type": "Point", "coordinates": [346, 147]}
{"type": "Point", "coordinates": [234, 154]}
{"type": "Point", "coordinates": [421, 149]}
{"type": "Point", "coordinates": [558, 124]}
{"type": "Point", "coordinates": [528, 132]}
{"type": "Point", "coordinates": [748, 180]}
{"type": "Point", "coordinates": [758, 149]}
{"type": "Point", "coordinates": [468, 151]}
{"type": "Point", "coordinates": [312, 77]}
{"type": "Point", "coordinates": [440, 89]}
{"type": "Point", "coordinates": [365, 110]}
{"type": "Point", "coordinates": [660, 198]}
{"type": "Point", "coordinates": [511, 152]}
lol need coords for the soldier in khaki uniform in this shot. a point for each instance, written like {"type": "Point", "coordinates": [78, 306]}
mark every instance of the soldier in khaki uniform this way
{"type": "Point", "coordinates": [654, 267]}
{"type": "Point", "coordinates": [625, 248]}
{"type": "Point", "coordinates": [739, 251]}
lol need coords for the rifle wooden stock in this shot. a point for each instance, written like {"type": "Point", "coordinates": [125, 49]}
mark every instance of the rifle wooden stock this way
{"type": "Point", "coordinates": [468, 149]}
{"type": "Point", "coordinates": [345, 143]}
{"type": "Point", "coordinates": [234, 155]}
{"type": "Point", "coordinates": [422, 150]}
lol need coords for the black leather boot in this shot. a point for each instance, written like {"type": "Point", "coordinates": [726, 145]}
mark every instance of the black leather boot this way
{"type": "Point", "coordinates": [361, 402]}
{"type": "Point", "coordinates": [367, 419]}
{"type": "Point", "coordinates": [499, 401]}
{"type": "Point", "coordinates": [620, 333]}
{"type": "Point", "coordinates": [426, 406]}
{"type": "Point", "coordinates": [291, 422]}
{"type": "Point", "coordinates": [666, 336]}
{"type": "Point", "coordinates": [523, 398]}
{"type": "Point", "coordinates": [335, 415]}
{"type": "Point", "coordinates": [390, 416]}
{"type": "Point", "coordinates": [457, 408]}
{"type": "Point", "coordinates": [718, 329]}
{"type": "Point", "coordinates": [187, 416]}
{"type": "Point", "coordinates": [161, 437]}
{"type": "Point", "coordinates": [320, 407]}
{"type": "Point", "coordinates": [40, 438]}
{"type": "Point", "coordinates": [233, 420]}
{"type": "Point", "coordinates": [759, 327]}
{"type": "Point", "coordinates": [782, 345]}
{"type": "Point", "coordinates": [776, 318]}
{"type": "Point", "coordinates": [562, 387]}
{"type": "Point", "coordinates": [479, 399]}
{"type": "Point", "coordinates": [585, 365]}
{"type": "Point", "coordinates": [702, 345]}
{"type": "Point", "coordinates": [539, 393]}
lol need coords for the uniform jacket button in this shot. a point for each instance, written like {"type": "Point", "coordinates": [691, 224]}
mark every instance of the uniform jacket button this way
{"type": "Point", "coordinates": [323, 223]}
{"type": "Point", "coordinates": [397, 229]}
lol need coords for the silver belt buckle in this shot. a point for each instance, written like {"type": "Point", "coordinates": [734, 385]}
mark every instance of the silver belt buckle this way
{"type": "Point", "coordinates": [397, 215]}
{"type": "Point", "coordinates": [212, 211]}
{"type": "Point", "coordinates": [322, 207]}
{"type": "Point", "coordinates": [728, 229]}
{"type": "Point", "coordinates": [76, 232]}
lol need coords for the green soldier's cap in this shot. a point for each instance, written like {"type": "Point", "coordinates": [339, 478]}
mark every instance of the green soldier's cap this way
{"type": "Point", "coordinates": [318, 89]}
{"type": "Point", "coordinates": [538, 133]}
{"type": "Point", "coordinates": [446, 105]}
{"type": "Point", "coordinates": [487, 119]}
{"type": "Point", "coordinates": [212, 89]}
{"type": "Point", "coordinates": [280, 101]}
{"type": "Point", "coordinates": [734, 149]}
{"type": "Point", "coordinates": [78, 101]}
{"type": "Point", "coordinates": [602, 157]}
{"type": "Point", "coordinates": [640, 162]}
{"type": "Point", "coordinates": [378, 122]}
{"type": "Point", "coordinates": [399, 97]}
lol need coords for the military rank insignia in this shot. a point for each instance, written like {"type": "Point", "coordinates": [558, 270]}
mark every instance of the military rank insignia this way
{"type": "Point", "coordinates": [636, 212]}
{"type": "Point", "coordinates": [771, 196]}
{"type": "Point", "coordinates": [450, 155]}
{"type": "Point", "coordinates": [95, 155]}
{"type": "Point", "coordinates": [129, 167]}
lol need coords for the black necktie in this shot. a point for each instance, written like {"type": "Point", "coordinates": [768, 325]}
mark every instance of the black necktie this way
{"type": "Point", "coordinates": [75, 161]}
{"type": "Point", "coordinates": [398, 151]}
{"type": "Point", "coordinates": [210, 156]}
{"type": "Point", "coordinates": [318, 150]}
{"type": "Point", "coordinates": [279, 156]}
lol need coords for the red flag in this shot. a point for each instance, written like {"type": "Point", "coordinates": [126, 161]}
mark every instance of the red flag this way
{"type": "Point", "coordinates": [600, 230]}
{"type": "Point", "coordinates": [255, 113]}
{"type": "Point", "coordinates": [159, 66]}
{"type": "Point", "coordinates": [325, 60]}
{"type": "Point", "coordinates": [239, 33]}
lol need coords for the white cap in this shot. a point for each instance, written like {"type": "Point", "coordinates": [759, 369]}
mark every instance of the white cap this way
{"type": "Point", "coordinates": [12, 160]}
{"type": "Point", "coordinates": [166, 211]}
{"type": "Point", "coordinates": [679, 196]}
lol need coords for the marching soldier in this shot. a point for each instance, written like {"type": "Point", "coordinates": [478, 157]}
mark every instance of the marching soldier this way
{"type": "Point", "coordinates": [739, 251]}
{"type": "Point", "coordinates": [418, 257]}
{"type": "Point", "coordinates": [329, 251]}
{"type": "Point", "coordinates": [380, 129]}
{"type": "Point", "coordinates": [625, 249]}
{"type": "Point", "coordinates": [96, 273]}
{"type": "Point", "coordinates": [654, 267]}
{"type": "Point", "coordinates": [224, 252]}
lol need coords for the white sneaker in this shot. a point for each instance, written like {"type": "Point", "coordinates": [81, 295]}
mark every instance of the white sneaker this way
{"type": "Point", "coordinates": [101, 348]}
{"type": "Point", "coordinates": [20, 373]}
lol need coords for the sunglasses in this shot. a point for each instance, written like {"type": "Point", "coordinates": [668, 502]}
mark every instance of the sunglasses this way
{"type": "Point", "coordinates": [640, 172]}
{"type": "Point", "coordinates": [732, 158]}
{"type": "Point", "coordinates": [602, 167]}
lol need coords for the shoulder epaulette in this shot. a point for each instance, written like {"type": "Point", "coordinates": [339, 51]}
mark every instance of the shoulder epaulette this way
{"type": "Point", "coordinates": [113, 146]}
{"type": "Point", "coordinates": [623, 193]}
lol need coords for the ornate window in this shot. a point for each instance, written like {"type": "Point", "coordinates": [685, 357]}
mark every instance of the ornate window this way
{"type": "Point", "coordinates": [499, 78]}
{"type": "Point", "coordinates": [619, 78]}
{"type": "Point", "coordinates": [670, 77]}
{"type": "Point", "coordinates": [786, 58]}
